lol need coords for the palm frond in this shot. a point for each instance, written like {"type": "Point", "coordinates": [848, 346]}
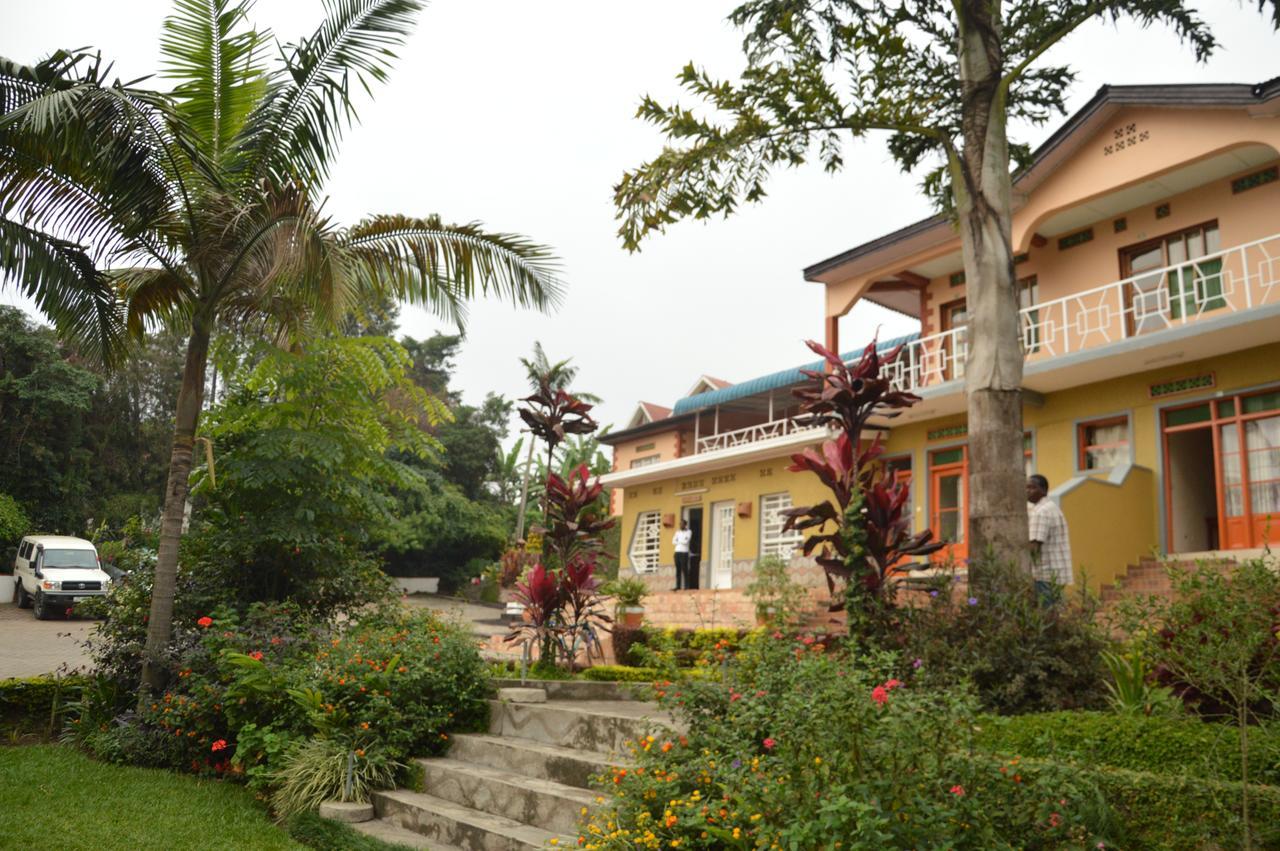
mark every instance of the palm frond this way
{"type": "Point", "coordinates": [67, 286]}
{"type": "Point", "coordinates": [151, 297]}
{"type": "Point", "coordinates": [441, 266]}
{"type": "Point", "coordinates": [218, 68]}
{"type": "Point", "coordinates": [294, 131]}
{"type": "Point", "coordinates": [94, 164]}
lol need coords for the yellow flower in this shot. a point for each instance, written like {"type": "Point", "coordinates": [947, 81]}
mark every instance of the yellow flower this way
{"type": "Point", "coordinates": [817, 760]}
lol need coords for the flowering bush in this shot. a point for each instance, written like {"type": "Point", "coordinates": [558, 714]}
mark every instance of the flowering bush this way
{"type": "Point", "coordinates": [800, 747]}
{"type": "Point", "coordinates": [247, 691]}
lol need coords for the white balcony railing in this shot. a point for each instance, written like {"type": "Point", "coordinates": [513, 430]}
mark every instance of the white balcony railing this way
{"type": "Point", "coordinates": [752, 434]}
{"type": "Point", "coordinates": [1230, 281]}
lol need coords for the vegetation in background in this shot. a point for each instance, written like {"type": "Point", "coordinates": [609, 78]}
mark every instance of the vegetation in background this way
{"type": "Point", "coordinates": [200, 208]}
{"type": "Point", "coordinates": [779, 599]}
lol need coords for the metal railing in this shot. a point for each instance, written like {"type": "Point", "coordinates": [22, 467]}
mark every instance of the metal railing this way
{"type": "Point", "coordinates": [1233, 280]}
{"type": "Point", "coordinates": [752, 434]}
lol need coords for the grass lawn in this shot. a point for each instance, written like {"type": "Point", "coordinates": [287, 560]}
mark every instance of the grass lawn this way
{"type": "Point", "coordinates": [55, 797]}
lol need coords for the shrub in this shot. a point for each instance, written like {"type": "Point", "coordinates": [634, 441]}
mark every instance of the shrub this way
{"type": "Point", "coordinates": [620, 674]}
{"type": "Point", "coordinates": [778, 598]}
{"type": "Point", "coordinates": [1137, 742]}
{"type": "Point", "coordinates": [1019, 655]}
{"type": "Point", "coordinates": [321, 769]}
{"type": "Point", "coordinates": [796, 746]}
{"type": "Point", "coordinates": [13, 524]}
{"type": "Point", "coordinates": [39, 703]}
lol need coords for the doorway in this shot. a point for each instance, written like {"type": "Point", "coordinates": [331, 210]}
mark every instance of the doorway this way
{"type": "Point", "coordinates": [955, 317]}
{"type": "Point", "coordinates": [692, 514]}
{"type": "Point", "coordinates": [1193, 494]}
{"type": "Point", "coordinates": [722, 516]}
{"type": "Point", "coordinates": [949, 502]}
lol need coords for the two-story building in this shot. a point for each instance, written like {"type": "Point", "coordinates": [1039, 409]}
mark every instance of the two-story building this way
{"type": "Point", "coordinates": [1147, 234]}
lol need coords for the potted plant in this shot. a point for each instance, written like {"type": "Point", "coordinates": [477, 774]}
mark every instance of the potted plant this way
{"type": "Point", "coordinates": [628, 594]}
{"type": "Point", "coordinates": [780, 601]}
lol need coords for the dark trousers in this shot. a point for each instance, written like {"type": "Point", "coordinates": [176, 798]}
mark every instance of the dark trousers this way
{"type": "Point", "coordinates": [682, 572]}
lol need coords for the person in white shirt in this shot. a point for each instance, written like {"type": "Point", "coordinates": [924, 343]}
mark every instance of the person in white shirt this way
{"type": "Point", "coordinates": [681, 541]}
{"type": "Point", "coordinates": [1050, 543]}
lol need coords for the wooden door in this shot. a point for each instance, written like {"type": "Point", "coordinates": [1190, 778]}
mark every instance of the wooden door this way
{"type": "Point", "coordinates": [949, 503]}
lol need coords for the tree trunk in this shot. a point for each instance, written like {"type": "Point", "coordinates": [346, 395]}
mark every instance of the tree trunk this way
{"type": "Point", "coordinates": [524, 491]}
{"type": "Point", "coordinates": [160, 622]}
{"type": "Point", "coordinates": [993, 372]}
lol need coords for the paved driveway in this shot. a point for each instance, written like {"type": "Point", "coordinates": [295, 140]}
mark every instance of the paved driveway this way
{"type": "Point", "coordinates": [29, 647]}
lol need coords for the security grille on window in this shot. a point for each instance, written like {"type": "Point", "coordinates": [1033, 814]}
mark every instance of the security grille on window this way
{"type": "Point", "coordinates": [773, 541]}
{"type": "Point", "coordinates": [644, 542]}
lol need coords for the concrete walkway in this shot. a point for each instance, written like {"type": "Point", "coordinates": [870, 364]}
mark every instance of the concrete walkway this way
{"type": "Point", "coordinates": [29, 648]}
{"type": "Point", "coordinates": [483, 621]}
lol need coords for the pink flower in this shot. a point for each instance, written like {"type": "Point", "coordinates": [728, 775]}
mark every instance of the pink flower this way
{"type": "Point", "coordinates": [256, 655]}
{"type": "Point", "coordinates": [879, 695]}
{"type": "Point", "coordinates": [220, 745]}
{"type": "Point", "coordinates": [892, 684]}
{"type": "Point", "coordinates": [769, 744]}
{"type": "Point", "coordinates": [808, 639]}
{"type": "Point", "coordinates": [205, 622]}
{"type": "Point", "coordinates": [1054, 819]}
{"type": "Point", "coordinates": [957, 790]}
{"type": "Point", "coordinates": [777, 635]}
{"type": "Point", "coordinates": [733, 695]}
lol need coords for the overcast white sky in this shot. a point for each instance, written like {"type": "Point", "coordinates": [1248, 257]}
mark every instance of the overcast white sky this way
{"type": "Point", "coordinates": [519, 113]}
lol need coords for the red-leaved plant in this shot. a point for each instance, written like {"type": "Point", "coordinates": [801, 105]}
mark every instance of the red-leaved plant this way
{"type": "Point", "coordinates": [863, 535]}
{"type": "Point", "coordinates": [575, 515]}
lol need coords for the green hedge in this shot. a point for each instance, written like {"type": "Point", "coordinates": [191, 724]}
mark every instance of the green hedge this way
{"type": "Point", "coordinates": [620, 674]}
{"type": "Point", "coordinates": [324, 835]}
{"type": "Point", "coordinates": [29, 701]}
{"type": "Point", "coordinates": [1173, 746]}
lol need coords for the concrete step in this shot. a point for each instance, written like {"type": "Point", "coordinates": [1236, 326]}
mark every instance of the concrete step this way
{"type": "Point", "coordinates": [549, 805]}
{"type": "Point", "coordinates": [579, 689]}
{"type": "Point", "coordinates": [447, 823]}
{"type": "Point", "coordinates": [604, 726]}
{"type": "Point", "coordinates": [569, 766]}
{"type": "Point", "coordinates": [390, 832]}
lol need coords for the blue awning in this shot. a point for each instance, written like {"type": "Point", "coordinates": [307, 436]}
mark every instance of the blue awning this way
{"type": "Point", "coordinates": [765, 383]}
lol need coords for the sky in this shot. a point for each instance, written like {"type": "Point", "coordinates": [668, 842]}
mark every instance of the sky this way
{"type": "Point", "coordinates": [521, 114]}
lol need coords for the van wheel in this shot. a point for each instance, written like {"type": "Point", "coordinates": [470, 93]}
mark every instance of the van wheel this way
{"type": "Point", "coordinates": [43, 612]}
{"type": "Point", "coordinates": [22, 598]}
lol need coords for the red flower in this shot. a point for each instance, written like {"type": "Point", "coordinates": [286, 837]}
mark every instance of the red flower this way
{"type": "Point", "coordinates": [205, 622]}
{"type": "Point", "coordinates": [769, 744]}
{"type": "Point", "coordinates": [256, 655]}
{"type": "Point", "coordinates": [957, 790]}
{"type": "Point", "coordinates": [892, 684]}
{"type": "Point", "coordinates": [220, 745]}
{"type": "Point", "coordinates": [880, 695]}
{"type": "Point", "coordinates": [275, 639]}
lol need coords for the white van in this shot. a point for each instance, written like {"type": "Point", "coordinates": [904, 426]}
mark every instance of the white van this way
{"type": "Point", "coordinates": [54, 572]}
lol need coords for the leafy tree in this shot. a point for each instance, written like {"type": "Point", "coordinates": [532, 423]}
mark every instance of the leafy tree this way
{"type": "Point", "coordinates": [44, 398]}
{"type": "Point", "coordinates": [943, 80]}
{"type": "Point", "coordinates": [304, 484]}
{"type": "Point", "coordinates": [125, 208]}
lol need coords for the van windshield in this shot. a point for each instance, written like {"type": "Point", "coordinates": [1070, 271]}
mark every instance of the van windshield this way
{"type": "Point", "coordinates": [54, 559]}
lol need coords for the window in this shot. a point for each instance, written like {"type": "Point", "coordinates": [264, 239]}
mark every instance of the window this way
{"type": "Point", "coordinates": [644, 542]}
{"type": "Point", "coordinates": [645, 461]}
{"type": "Point", "coordinates": [1104, 444]}
{"type": "Point", "coordinates": [774, 541]}
{"type": "Point", "coordinates": [1028, 297]}
{"type": "Point", "coordinates": [1158, 293]}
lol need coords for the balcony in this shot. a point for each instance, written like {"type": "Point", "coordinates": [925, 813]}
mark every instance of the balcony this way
{"type": "Point", "coordinates": [1149, 305]}
{"type": "Point", "coordinates": [754, 434]}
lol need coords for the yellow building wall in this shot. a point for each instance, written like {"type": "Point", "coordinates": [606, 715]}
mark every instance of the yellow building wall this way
{"type": "Point", "coordinates": [1054, 428]}
{"type": "Point", "coordinates": [742, 483]}
{"type": "Point", "coordinates": [1111, 525]}
{"type": "Point", "coordinates": [665, 444]}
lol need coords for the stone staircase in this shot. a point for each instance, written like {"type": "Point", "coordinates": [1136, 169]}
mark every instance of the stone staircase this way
{"type": "Point", "coordinates": [524, 783]}
{"type": "Point", "coordinates": [1150, 577]}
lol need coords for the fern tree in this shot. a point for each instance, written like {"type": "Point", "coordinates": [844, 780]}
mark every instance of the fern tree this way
{"type": "Point", "coordinates": [123, 208]}
{"type": "Point", "coordinates": [942, 79]}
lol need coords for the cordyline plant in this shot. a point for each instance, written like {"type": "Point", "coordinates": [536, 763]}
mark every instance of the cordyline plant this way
{"type": "Point", "coordinates": [563, 606]}
{"type": "Point", "coordinates": [553, 414]}
{"type": "Point", "coordinates": [864, 533]}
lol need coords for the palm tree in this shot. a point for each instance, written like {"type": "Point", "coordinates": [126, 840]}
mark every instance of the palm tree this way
{"type": "Point", "coordinates": [123, 209]}
{"type": "Point", "coordinates": [558, 376]}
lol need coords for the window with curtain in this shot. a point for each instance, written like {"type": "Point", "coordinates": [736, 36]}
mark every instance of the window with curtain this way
{"type": "Point", "coordinates": [1104, 444]}
{"type": "Point", "coordinates": [645, 541]}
